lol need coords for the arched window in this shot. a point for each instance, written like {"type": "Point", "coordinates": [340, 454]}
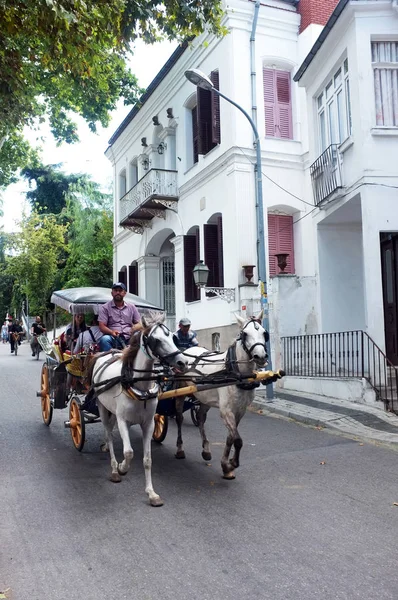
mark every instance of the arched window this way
{"type": "Point", "coordinates": [278, 103]}
{"type": "Point", "coordinates": [280, 240]}
{"type": "Point", "coordinates": [214, 255]}
{"type": "Point", "coordinates": [191, 258]}
{"type": "Point", "coordinates": [133, 278]}
{"type": "Point", "coordinates": [122, 276]}
{"type": "Point", "coordinates": [122, 183]}
{"type": "Point", "coordinates": [133, 179]}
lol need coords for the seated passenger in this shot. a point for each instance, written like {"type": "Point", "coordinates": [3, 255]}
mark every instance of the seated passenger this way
{"type": "Point", "coordinates": [184, 338]}
{"type": "Point", "coordinates": [117, 320]}
{"type": "Point", "coordinates": [72, 331]}
{"type": "Point", "coordinates": [88, 338]}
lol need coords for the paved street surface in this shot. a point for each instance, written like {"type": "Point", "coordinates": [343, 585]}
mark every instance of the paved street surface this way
{"type": "Point", "coordinates": [311, 515]}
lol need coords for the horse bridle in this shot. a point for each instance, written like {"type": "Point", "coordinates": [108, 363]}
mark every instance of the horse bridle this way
{"type": "Point", "coordinates": [148, 344]}
{"type": "Point", "coordinates": [243, 335]}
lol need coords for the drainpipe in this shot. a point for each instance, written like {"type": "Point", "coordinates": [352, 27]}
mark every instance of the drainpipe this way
{"type": "Point", "coordinates": [253, 61]}
{"type": "Point", "coordinates": [261, 254]}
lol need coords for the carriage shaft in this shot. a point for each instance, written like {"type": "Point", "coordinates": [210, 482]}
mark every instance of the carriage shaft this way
{"type": "Point", "coordinates": [192, 389]}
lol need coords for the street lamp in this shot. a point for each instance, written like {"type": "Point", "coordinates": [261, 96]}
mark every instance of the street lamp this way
{"type": "Point", "coordinates": [201, 274]}
{"type": "Point", "coordinates": [201, 80]}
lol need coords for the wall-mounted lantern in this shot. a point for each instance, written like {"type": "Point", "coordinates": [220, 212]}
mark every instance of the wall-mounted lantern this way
{"type": "Point", "coordinates": [162, 147]}
{"type": "Point", "coordinates": [145, 164]}
{"type": "Point", "coordinates": [201, 274]}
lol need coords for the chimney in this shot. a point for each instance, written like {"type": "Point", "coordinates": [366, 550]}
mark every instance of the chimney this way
{"type": "Point", "coordinates": [315, 11]}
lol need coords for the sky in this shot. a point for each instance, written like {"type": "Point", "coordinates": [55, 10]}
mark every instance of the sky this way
{"type": "Point", "coordinates": [88, 155]}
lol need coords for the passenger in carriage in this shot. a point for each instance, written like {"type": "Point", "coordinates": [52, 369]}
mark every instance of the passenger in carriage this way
{"type": "Point", "coordinates": [89, 338]}
{"type": "Point", "coordinates": [184, 337]}
{"type": "Point", "coordinates": [70, 336]}
{"type": "Point", "coordinates": [117, 320]}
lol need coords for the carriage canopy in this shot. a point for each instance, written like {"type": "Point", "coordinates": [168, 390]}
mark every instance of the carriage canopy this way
{"type": "Point", "coordinates": [89, 299]}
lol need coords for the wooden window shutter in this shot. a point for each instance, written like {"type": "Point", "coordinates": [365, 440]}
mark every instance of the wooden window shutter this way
{"type": "Point", "coordinates": [220, 252]}
{"type": "Point", "coordinates": [133, 279]}
{"type": "Point", "coordinates": [215, 108]}
{"type": "Point", "coordinates": [191, 258]}
{"type": "Point", "coordinates": [269, 101]}
{"type": "Point", "coordinates": [280, 239]}
{"type": "Point", "coordinates": [284, 105]}
{"type": "Point", "coordinates": [204, 121]}
{"type": "Point", "coordinates": [210, 231]}
{"type": "Point", "coordinates": [122, 276]}
{"type": "Point", "coordinates": [195, 139]}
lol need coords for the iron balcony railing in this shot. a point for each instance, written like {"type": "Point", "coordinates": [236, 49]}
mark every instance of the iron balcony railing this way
{"type": "Point", "coordinates": [326, 174]}
{"type": "Point", "coordinates": [345, 354]}
{"type": "Point", "coordinates": [157, 184]}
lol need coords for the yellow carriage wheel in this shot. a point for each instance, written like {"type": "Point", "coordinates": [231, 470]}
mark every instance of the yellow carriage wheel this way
{"type": "Point", "coordinates": [46, 406]}
{"type": "Point", "coordinates": [76, 424]}
{"type": "Point", "coordinates": [161, 427]}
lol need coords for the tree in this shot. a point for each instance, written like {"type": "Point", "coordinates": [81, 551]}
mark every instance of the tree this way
{"type": "Point", "coordinates": [34, 262]}
{"type": "Point", "coordinates": [51, 187]}
{"type": "Point", "coordinates": [90, 232]}
{"type": "Point", "coordinates": [59, 57]}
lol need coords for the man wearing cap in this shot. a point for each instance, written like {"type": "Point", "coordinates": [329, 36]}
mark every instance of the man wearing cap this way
{"type": "Point", "coordinates": [117, 320]}
{"type": "Point", "coordinates": [184, 338]}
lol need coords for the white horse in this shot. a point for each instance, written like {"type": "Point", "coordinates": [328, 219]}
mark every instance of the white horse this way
{"type": "Point", "coordinates": [126, 393]}
{"type": "Point", "coordinates": [246, 354]}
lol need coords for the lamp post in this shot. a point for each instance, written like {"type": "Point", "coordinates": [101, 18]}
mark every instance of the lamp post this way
{"type": "Point", "coordinates": [201, 274]}
{"type": "Point", "coordinates": [201, 80]}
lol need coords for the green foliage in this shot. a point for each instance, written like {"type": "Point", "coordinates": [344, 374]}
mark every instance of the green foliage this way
{"type": "Point", "coordinates": [90, 237]}
{"type": "Point", "coordinates": [59, 57]}
{"type": "Point", "coordinates": [51, 187]}
{"type": "Point", "coordinates": [33, 264]}
{"type": "Point", "coordinates": [15, 153]}
{"type": "Point", "coordinates": [6, 280]}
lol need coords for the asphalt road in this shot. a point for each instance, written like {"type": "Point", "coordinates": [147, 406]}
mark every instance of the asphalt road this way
{"type": "Point", "coordinates": [289, 527]}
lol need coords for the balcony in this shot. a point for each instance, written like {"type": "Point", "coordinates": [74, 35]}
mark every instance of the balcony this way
{"type": "Point", "coordinates": [326, 174]}
{"type": "Point", "coordinates": [150, 197]}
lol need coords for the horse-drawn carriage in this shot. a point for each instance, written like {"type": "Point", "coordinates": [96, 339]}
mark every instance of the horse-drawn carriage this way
{"type": "Point", "coordinates": [150, 381]}
{"type": "Point", "coordinates": [63, 381]}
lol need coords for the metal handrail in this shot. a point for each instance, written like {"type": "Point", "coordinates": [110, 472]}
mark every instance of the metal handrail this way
{"type": "Point", "coordinates": [156, 182]}
{"type": "Point", "coordinates": [326, 174]}
{"type": "Point", "coordinates": [344, 354]}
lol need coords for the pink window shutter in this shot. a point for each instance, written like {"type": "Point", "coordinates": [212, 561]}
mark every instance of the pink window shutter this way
{"type": "Point", "coordinates": [284, 105]}
{"type": "Point", "coordinates": [272, 243]}
{"type": "Point", "coordinates": [280, 239]}
{"type": "Point", "coordinates": [285, 240]}
{"type": "Point", "coordinates": [269, 101]}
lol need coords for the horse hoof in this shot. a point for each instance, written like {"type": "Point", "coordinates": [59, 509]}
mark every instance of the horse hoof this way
{"type": "Point", "coordinates": [230, 475]}
{"type": "Point", "coordinates": [179, 454]}
{"type": "Point", "coordinates": [115, 478]}
{"type": "Point", "coordinates": [206, 456]}
{"type": "Point", "coordinates": [104, 448]}
{"type": "Point", "coordinates": [121, 472]}
{"type": "Point", "coordinates": [156, 501]}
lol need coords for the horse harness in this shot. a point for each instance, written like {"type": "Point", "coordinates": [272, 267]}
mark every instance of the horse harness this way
{"type": "Point", "coordinates": [231, 359]}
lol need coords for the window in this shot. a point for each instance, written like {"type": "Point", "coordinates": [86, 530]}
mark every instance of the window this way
{"type": "Point", "coordinates": [213, 239]}
{"type": "Point", "coordinates": [133, 173]}
{"type": "Point", "coordinates": [206, 131]}
{"type": "Point", "coordinates": [278, 104]}
{"type": "Point", "coordinates": [122, 275]}
{"type": "Point", "coordinates": [385, 70]}
{"type": "Point", "coordinates": [122, 183]}
{"type": "Point", "coordinates": [334, 109]}
{"type": "Point", "coordinates": [280, 239]}
{"type": "Point", "coordinates": [133, 278]}
{"type": "Point", "coordinates": [191, 258]}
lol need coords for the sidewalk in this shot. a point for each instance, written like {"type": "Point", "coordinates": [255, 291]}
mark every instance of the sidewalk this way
{"type": "Point", "coordinates": [362, 421]}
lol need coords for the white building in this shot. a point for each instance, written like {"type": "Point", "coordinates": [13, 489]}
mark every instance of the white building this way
{"type": "Point", "coordinates": [184, 173]}
{"type": "Point", "coordinates": [351, 81]}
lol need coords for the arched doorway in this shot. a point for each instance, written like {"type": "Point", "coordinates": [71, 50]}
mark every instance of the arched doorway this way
{"type": "Point", "coordinates": [161, 246]}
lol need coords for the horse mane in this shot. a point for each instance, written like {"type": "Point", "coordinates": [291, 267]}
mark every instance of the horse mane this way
{"type": "Point", "coordinates": [129, 354]}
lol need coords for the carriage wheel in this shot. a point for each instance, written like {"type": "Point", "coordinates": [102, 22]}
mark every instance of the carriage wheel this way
{"type": "Point", "coordinates": [46, 406]}
{"type": "Point", "coordinates": [194, 414]}
{"type": "Point", "coordinates": [161, 427]}
{"type": "Point", "coordinates": [76, 424]}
